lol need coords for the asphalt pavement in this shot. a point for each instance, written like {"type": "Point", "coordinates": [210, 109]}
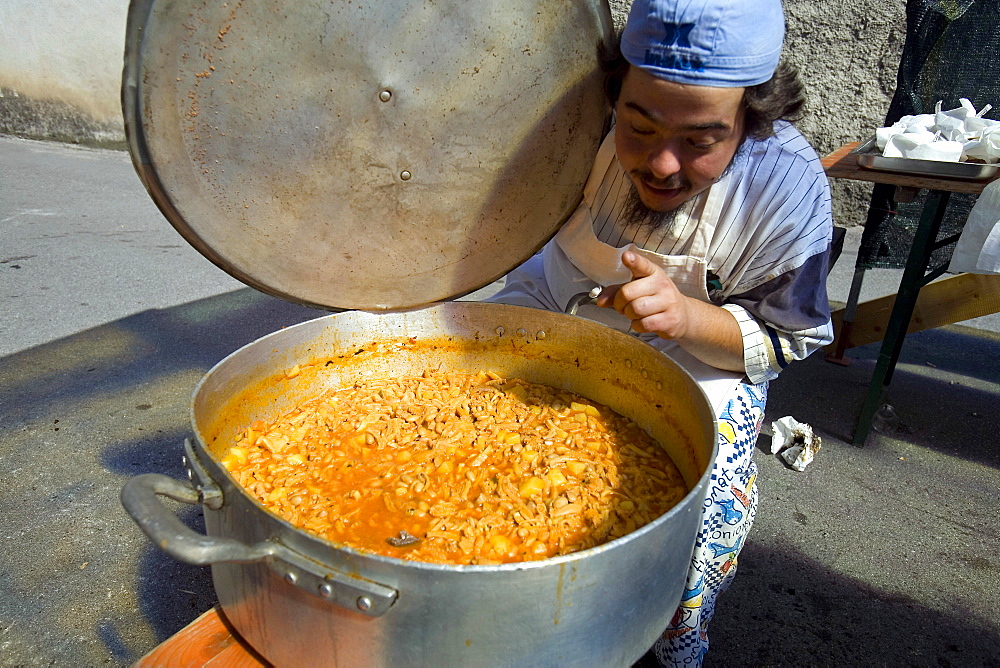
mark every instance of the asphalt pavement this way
{"type": "Point", "coordinates": [882, 555]}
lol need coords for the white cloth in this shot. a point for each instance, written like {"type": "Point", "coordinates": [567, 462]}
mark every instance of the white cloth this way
{"type": "Point", "coordinates": [978, 247]}
{"type": "Point", "coordinates": [765, 220]}
{"type": "Point", "coordinates": [956, 135]}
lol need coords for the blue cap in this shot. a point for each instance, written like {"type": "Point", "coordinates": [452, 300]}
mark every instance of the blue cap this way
{"type": "Point", "coordinates": [724, 43]}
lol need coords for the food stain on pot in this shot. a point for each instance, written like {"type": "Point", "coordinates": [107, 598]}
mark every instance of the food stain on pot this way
{"type": "Point", "coordinates": [559, 592]}
{"type": "Point", "coordinates": [560, 600]}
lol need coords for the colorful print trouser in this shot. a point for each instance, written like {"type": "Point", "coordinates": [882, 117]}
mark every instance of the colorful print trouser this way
{"type": "Point", "coordinates": [726, 518]}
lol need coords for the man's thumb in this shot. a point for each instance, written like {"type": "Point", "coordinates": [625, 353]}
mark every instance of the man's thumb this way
{"type": "Point", "coordinates": [638, 265]}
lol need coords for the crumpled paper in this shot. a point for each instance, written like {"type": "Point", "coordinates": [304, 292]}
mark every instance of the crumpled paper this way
{"type": "Point", "coordinates": [956, 135]}
{"type": "Point", "coordinates": [794, 442]}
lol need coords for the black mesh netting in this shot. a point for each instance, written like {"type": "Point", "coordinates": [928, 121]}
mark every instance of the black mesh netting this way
{"type": "Point", "coordinates": [951, 51]}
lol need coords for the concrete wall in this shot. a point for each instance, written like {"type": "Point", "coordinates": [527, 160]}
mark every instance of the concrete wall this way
{"type": "Point", "coordinates": [847, 53]}
{"type": "Point", "coordinates": [60, 69]}
{"type": "Point", "coordinates": [61, 65]}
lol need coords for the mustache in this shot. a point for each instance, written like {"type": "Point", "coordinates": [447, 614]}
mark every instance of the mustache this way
{"type": "Point", "coordinates": [672, 182]}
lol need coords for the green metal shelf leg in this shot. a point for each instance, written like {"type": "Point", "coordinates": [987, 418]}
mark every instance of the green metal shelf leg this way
{"type": "Point", "coordinates": [906, 299]}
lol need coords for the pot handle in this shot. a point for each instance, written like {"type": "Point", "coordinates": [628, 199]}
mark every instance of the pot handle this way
{"type": "Point", "coordinates": [184, 544]}
{"type": "Point", "coordinates": [173, 536]}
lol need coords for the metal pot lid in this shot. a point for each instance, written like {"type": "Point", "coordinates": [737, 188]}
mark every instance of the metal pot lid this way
{"type": "Point", "coordinates": [365, 154]}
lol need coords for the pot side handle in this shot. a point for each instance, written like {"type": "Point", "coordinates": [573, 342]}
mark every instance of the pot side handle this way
{"type": "Point", "coordinates": [168, 533]}
{"type": "Point", "coordinates": [139, 497]}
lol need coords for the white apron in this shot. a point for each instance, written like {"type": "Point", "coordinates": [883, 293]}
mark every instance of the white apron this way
{"type": "Point", "coordinates": [579, 260]}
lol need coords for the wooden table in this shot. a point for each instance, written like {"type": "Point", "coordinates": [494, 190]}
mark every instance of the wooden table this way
{"type": "Point", "coordinates": [207, 641]}
{"type": "Point", "coordinates": [890, 318]}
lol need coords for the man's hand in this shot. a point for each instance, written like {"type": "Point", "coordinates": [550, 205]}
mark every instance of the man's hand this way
{"type": "Point", "coordinates": [650, 300]}
{"type": "Point", "coordinates": [654, 305]}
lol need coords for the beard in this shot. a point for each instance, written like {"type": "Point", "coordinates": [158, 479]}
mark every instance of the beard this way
{"type": "Point", "coordinates": [635, 213]}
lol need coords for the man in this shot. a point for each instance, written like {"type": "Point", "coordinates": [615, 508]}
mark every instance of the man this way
{"type": "Point", "coordinates": [706, 222]}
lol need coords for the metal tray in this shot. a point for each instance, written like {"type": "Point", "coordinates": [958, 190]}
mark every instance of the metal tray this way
{"type": "Point", "coordinates": [870, 157]}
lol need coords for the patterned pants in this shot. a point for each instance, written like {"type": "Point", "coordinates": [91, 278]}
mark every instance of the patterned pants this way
{"type": "Point", "coordinates": [726, 518]}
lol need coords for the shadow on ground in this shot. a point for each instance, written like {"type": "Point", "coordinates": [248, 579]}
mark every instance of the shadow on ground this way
{"type": "Point", "coordinates": [78, 417]}
{"type": "Point", "coordinates": [785, 609]}
{"type": "Point", "coordinates": [945, 391]}
{"type": "Point", "coordinates": [882, 555]}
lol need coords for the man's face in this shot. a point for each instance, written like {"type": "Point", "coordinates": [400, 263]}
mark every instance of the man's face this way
{"type": "Point", "coordinates": [675, 140]}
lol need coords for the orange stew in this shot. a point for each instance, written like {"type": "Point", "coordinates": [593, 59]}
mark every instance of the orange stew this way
{"type": "Point", "coordinates": [457, 468]}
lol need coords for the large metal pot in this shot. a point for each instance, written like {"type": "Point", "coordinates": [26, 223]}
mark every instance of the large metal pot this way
{"type": "Point", "coordinates": [301, 600]}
